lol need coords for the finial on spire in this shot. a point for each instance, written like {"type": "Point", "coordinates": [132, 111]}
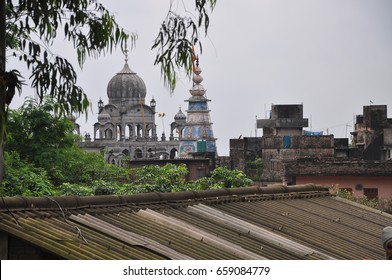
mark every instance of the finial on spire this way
{"type": "Point", "coordinates": [197, 60]}
{"type": "Point", "coordinates": [126, 52]}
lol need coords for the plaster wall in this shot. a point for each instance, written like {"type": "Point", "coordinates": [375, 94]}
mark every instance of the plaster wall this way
{"type": "Point", "coordinates": [383, 183]}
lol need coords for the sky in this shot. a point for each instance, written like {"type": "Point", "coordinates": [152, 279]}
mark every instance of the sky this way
{"type": "Point", "coordinates": [332, 56]}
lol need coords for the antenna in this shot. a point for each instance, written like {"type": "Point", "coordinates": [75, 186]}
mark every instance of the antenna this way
{"type": "Point", "coordinates": [256, 127]}
{"type": "Point", "coordinates": [265, 111]}
{"type": "Point", "coordinates": [347, 125]}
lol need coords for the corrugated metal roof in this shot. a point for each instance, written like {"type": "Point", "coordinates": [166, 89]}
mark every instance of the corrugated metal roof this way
{"type": "Point", "coordinates": [278, 222]}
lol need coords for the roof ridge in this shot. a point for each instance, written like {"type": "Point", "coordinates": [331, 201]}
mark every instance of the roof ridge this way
{"type": "Point", "coordinates": [20, 203]}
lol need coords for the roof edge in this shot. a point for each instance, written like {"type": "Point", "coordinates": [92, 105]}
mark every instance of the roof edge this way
{"type": "Point", "coordinates": [76, 202]}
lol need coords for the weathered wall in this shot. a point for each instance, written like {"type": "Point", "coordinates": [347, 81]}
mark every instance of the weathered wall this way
{"type": "Point", "coordinates": [299, 141]}
{"type": "Point", "coordinates": [388, 136]}
{"type": "Point", "coordinates": [244, 150]}
{"type": "Point", "coordinates": [383, 183]}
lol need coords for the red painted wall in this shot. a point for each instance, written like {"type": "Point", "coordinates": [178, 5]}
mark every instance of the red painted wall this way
{"type": "Point", "coordinates": [383, 183]}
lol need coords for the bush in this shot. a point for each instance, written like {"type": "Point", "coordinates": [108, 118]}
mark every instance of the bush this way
{"type": "Point", "coordinates": [22, 178]}
{"type": "Point", "coordinates": [165, 178]}
{"type": "Point", "coordinates": [380, 204]}
{"type": "Point", "coordinates": [230, 178]}
{"type": "Point", "coordinates": [75, 189]}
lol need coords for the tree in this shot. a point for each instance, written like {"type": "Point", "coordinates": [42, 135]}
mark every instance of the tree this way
{"type": "Point", "coordinates": [37, 134]}
{"type": "Point", "coordinates": [28, 29]}
{"type": "Point", "coordinates": [176, 39]}
{"type": "Point", "coordinates": [48, 142]}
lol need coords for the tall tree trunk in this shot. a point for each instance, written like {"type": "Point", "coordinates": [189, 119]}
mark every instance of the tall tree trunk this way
{"type": "Point", "coordinates": [2, 86]}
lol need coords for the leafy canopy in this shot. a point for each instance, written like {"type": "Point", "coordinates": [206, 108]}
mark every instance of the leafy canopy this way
{"type": "Point", "coordinates": [47, 141]}
{"type": "Point", "coordinates": [176, 39]}
{"type": "Point", "coordinates": [33, 25]}
{"type": "Point", "coordinates": [36, 132]}
{"type": "Point", "coordinates": [31, 28]}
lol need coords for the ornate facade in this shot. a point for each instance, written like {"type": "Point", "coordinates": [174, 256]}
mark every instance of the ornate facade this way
{"type": "Point", "coordinates": [126, 125]}
{"type": "Point", "coordinates": [197, 135]}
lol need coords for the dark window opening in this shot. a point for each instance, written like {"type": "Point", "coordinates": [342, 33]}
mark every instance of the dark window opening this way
{"type": "Point", "coordinates": [370, 193]}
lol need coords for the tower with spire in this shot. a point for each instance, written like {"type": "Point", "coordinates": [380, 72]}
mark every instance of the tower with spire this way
{"type": "Point", "coordinates": [197, 135]}
{"type": "Point", "coordinates": [126, 125]}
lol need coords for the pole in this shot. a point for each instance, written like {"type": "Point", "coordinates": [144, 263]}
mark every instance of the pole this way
{"type": "Point", "coordinates": [2, 85]}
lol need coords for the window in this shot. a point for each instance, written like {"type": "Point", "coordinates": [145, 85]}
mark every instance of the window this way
{"type": "Point", "coordinates": [201, 172]}
{"type": "Point", "coordinates": [138, 153]}
{"type": "Point", "coordinates": [370, 193]}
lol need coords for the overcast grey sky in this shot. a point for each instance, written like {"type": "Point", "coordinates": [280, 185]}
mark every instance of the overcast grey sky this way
{"type": "Point", "coordinates": [333, 56]}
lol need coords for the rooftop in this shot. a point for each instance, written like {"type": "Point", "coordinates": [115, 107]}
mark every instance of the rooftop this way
{"type": "Point", "coordinates": [337, 167]}
{"type": "Point", "coordinates": [276, 222]}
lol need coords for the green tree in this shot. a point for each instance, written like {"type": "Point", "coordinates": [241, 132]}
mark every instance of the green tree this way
{"type": "Point", "coordinates": [29, 27]}
{"type": "Point", "coordinates": [23, 178]}
{"type": "Point", "coordinates": [37, 134]}
{"type": "Point", "coordinates": [255, 169]}
{"type": "Point", "coordinates": [48, 141]}
{"type": "Point", "coordinates": [230, 178]}
{"type": "Point", "coordinates": [154, 178]}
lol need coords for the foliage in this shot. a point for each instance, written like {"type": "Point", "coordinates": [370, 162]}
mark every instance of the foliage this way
{"type": "Point", "coordinates": [152, 178]}
{"type": "Point", "coordinates": [206, 183]}
{"type": "Point", "coordinates": [97, 177]}
{"type": "Point", "coordinates": [32, 26]}
{"type": "Point", "coordinates": [23, 178]}
{"type": "Point", "coordinates": [36, 132]}
{"type": "Point", "coordinates": [45, 153]}
{"type": "Point", "coordinates": [230, 178]}
{"type": "Point", "coordinates": [176, 39]}
{"type": "Point", "coordinates": [255, 169]}
{"type": "Point", "coordinates": [75, 189]}
{"type": "Point", "coordinates": [48, 141]}
{"type": "Point", "coordinates": [29, 29]}
{"type": "Point", "coordinates": [170, 177]}
{"type": "Point", "coordinates": [98, 187]}
{"type": "Point", "coordinates": [380, 204]}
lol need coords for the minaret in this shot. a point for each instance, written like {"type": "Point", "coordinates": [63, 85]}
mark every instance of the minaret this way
{"type": "Point", "coordinates": [197, 136]}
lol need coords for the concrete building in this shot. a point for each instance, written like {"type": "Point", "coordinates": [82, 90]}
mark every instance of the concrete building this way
{"type": "Point", "coordinates": [295, 156]}
{"type": "Point", "coordinates": [365, 168]}
{"type": "Point", "coordinates": [284, 138]}
{"type": "Point", "coordinates": [373, 133]}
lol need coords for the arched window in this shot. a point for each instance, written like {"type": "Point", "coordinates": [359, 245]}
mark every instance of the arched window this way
{"type": "Point", "coordinates": [138, 153]}
{"type": "Point", "coordinates": [119, 130]}
{"type": "Point", "coordinates": [173, 153]}
{"type": "Point", "coordinates": [139, 130]}
{"type": "Point", "coordinates": [127, 132]}
{"type": "Point", "coordinates": [108, 133]}
{"type": "Point", "coordinates": [97, 134]}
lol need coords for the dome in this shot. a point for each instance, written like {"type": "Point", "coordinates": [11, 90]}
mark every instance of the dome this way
{"type": "Point", "coordinates": [103, 117]}
{"type": "Point", "coordinates": [126, 84]}
{"type": "Point", "coordinates": [179, 116]}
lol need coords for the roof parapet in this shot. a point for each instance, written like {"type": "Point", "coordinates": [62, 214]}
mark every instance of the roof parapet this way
{"type": "Point", "coordinates": [19, 203]}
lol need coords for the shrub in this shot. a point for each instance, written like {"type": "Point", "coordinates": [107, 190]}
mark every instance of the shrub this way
{"type": "Point", "coordinates": [22, 178]}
